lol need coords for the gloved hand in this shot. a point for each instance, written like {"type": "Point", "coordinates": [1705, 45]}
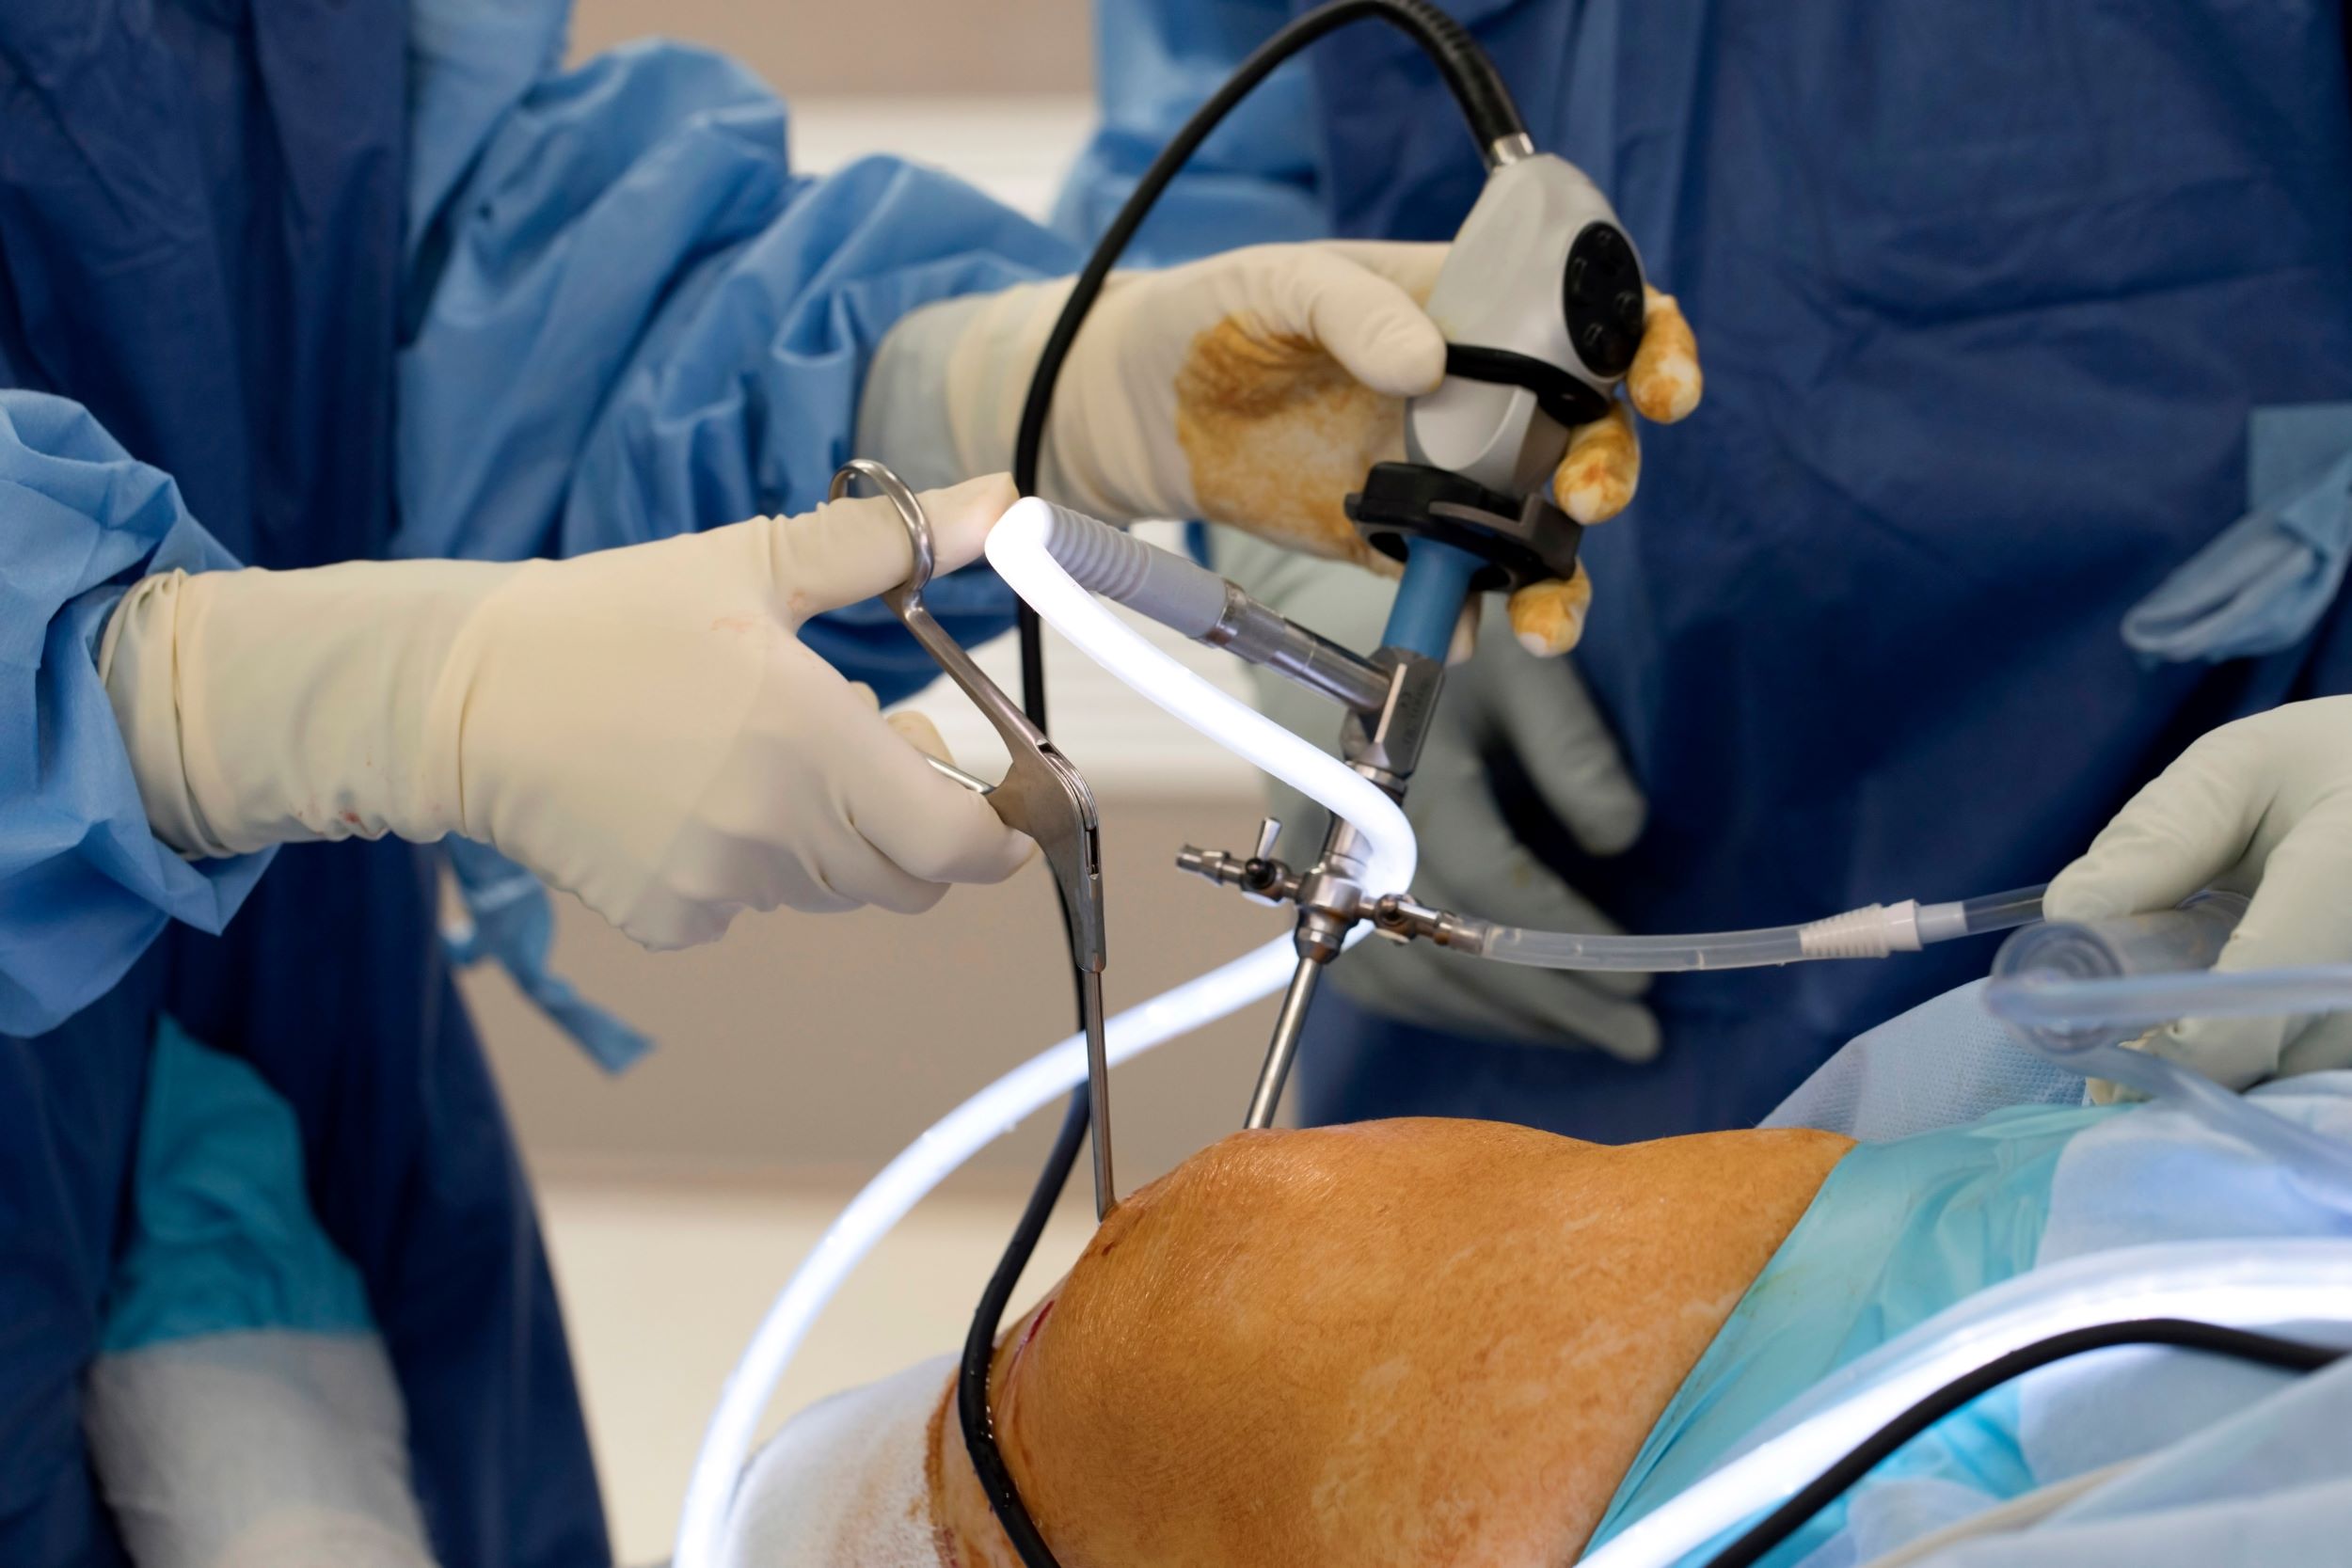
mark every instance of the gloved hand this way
{"type": "Point", "coordinates": [2264, 807]}
{"type": "Point", "coordinates": [1254, 388]}
{"type": "Point", "coordinates": [641, 726]}
{"type": "Point", "coordinates": [1500, 699]}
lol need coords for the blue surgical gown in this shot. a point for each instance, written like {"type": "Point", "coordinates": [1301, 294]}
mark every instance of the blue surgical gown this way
{"type": "Point", "coordinates": [1988, 295]}
{"type": "Point", "coordinates": [287, 284]}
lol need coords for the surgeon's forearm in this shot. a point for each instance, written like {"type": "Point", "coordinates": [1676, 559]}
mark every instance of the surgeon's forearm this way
{"type": "Point", "coordinates": [270, 707]}
{"type": "Point", "coordinates": [942, 398]}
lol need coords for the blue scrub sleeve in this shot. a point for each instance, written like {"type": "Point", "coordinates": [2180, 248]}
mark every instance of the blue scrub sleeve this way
{"type": "Point", "coordinates": [85, 886]}
{"type": "Point", "coordinates": [1258, 179]}
{"type": "Point", "coordinates": [632, 318]}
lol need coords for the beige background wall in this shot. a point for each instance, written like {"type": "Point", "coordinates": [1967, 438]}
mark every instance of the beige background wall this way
{"type": "Point", "coordinates": [897, 47]}
{"type": "Point", "coordinates": [817, 1048]}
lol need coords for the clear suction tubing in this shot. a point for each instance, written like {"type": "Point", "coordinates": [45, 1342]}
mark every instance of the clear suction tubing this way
{"type": "Point", "coordinates": [2078, 991]}
{"type": "Point", "coordinates": [1872, 931]}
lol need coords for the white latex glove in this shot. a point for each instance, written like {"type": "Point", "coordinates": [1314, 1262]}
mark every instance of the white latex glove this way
{"type": "Point", "coordinates": [1500, 699]}
{"type": "Point", "coordinates": [641, 726]}
{"type": "Point", "coordinates": [1254, 388]}
{"type": "Point", "coordinates": [2264, 807]}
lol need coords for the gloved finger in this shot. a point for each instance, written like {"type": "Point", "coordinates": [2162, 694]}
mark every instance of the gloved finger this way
{"type": "Point", "coordinates": [917, 731]}
{"type": "Point", "coordinates": [1366, 321]}
{"type": "Point", "coordinates": [962, 516]}
{"type": "Point", "coordinates": [1548, 618]}
{"type": "Point", "coordinates": [665, 921]}
{"type": "Point", "coordinates": [867, 878]}
{"type": "Point", "coordinates": [1664, 381]}
{"type": "Point", "coordinates": [734, 858]}
{"type": "Point", "coordinates": [852, 549]}
{"type": "Point", "coordinates": [2190, 824]}
{"type": "Point", "coordinates": [2323, 1046]}
{"type": "Point", "coordinates": [1565, 745]}
{"type": "Point", "coordinates": [2297, 916]}
{"type": "Point", "coordinates": [924, 824]}
{"type": "Point", "coordinates": [1597, 474]}
{"type": "Point", "coordinates": [1412, 265]}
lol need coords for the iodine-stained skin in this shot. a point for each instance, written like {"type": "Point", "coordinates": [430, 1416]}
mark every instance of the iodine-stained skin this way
{"type": "Point", "coordinates": [1375, 1346]}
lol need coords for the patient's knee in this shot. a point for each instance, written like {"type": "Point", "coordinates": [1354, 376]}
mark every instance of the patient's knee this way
{"type": "Point", "coordinates": [1394, 1342]}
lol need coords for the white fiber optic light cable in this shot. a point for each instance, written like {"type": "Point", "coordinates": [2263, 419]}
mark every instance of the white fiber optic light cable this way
{"type": "Point", "coordinates": [2239, 1284]}
{"type": "Point", "coordinates": [1016, 547]}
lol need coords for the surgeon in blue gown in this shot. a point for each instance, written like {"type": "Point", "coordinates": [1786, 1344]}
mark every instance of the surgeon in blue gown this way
{"type": "Point", "coordinates": [238, 237]}
{"type": "Point", "coordinates": [380, 288]}
{"type": "Point", "coordinates": [2009, 310]}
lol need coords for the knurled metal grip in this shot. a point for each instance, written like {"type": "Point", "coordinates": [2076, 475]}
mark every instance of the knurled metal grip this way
{"type": "Point", "coordinates": [1521, 542]}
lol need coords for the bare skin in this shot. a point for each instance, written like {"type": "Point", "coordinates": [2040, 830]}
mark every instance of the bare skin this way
{"type": "Point", "coordinates": [1396, 1343]}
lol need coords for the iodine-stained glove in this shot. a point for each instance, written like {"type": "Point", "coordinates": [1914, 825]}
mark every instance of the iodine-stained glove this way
{"type": "Point", "coordinates": [1501, 700]}
{"type": "Point", "coordinates": [2262, 806]}
{"type": "Point", "coordinates": [1254, 388]}
{"type": "Point", "coordinates": [641, 726]}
